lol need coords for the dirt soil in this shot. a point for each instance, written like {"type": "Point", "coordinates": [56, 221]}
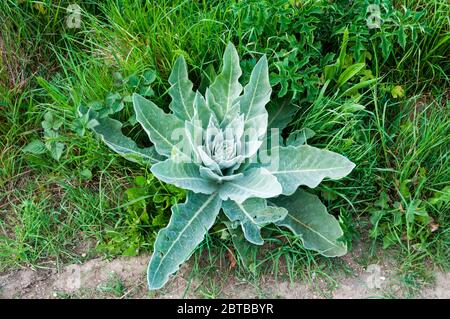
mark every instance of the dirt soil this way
{"type": "Point", "coordinates": [125, 278]}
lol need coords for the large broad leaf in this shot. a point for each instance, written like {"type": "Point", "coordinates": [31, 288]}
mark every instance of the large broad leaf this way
{"type": "Point", "coordinates": [181, 92]}
{"type": "Point", "coordinates": [175, 243]}
{"type": "Point", "coordinates": [252, 215]}
{"type": "Point", "coordinates": [226, 87]}
{"type": "Point", "coordinates": [184, 175]}
{"type": "Point", "coordinates": [256, 182]}
{"type": "Point", "coordinates": [161, 128]}
{"type": "Point", "coordinates": [110, 131]}
{"type": "Point", "coordinates": [307, 165]}
{"type": "Point", "coordinates": [256, 96]}
{"type": "Point", "coordinates": [308, 218]}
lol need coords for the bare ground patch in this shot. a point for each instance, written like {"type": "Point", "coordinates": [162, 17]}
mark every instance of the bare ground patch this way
{"type": "Point", "coordinates": [88, 280]}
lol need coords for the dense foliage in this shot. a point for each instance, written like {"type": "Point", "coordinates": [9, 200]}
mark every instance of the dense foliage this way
{"type": "Point", "coordinates": [374, 90]}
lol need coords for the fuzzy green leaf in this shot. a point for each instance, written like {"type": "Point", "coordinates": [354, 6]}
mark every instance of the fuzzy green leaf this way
{"type": "Point", "coordinates": [110, 131]}
{"type": "Point", "coordinates": [307, 165]}
{"type": "Point", "coordinates": [181, 92]}
{"type": "Point", "coordinates": [159, 126]}
{"type": "Point", "coordinates": [256, 182]}
{"type": "Point", "coordinates": [256, 96]}
{"type": "Point", "coordinates": [187, 228]}
{"type": "Point", "coordinates": [184, 175]}
{"type": "Point", "coordinates": [308, 218]}
{"type": "Point", "coordinates": [252, 215]}
{"type": "Point", "coordinates": [226, 87]}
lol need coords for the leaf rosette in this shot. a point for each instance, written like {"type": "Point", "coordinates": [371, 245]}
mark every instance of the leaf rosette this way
{"type": "Point", "coordinates": [212, 145]}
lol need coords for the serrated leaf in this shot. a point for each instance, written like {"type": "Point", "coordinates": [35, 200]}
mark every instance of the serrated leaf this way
{"type": "Point", "coordinates": [308, 218]}
{"type": "Point", "coordinates": [184, 175]}
{"type": "Point", "coordinates": [175, 243]}
{"type": "Point", "coordinates": [307, 165]}
{"type": "Point", "coordinates": [110, 131]}
{"type": "Point", "coordinates": [252, 215]}
{"type": "Point", "coordinates": [35, 147]}
{"type": "Point", "coordinates": [50, 123]}
{"type": "Point", "coordinates": [159, 126]}
{"type": "Point", "coordinates": [55, 149]}
{"type": "Point", "coordinates": [181, 92]}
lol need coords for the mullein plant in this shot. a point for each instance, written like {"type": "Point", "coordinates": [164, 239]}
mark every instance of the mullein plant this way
{"type": "Point", "coordinates": [215, 147]}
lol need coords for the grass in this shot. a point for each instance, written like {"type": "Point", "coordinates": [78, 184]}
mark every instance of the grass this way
{"type": "Point", "coordinates": [114, 286]}
{"type": "Point", "coordinates": [395, 127]}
